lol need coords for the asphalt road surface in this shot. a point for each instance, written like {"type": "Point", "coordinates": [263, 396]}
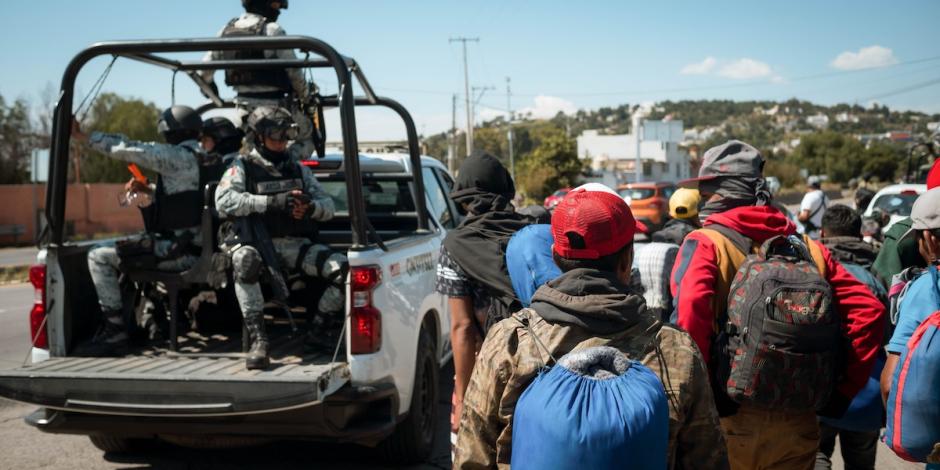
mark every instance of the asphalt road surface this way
{"type": "Point", "coordinates": [22, 447]}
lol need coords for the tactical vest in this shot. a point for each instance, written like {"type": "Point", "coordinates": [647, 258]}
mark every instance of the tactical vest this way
{"type": "Point", "coordinates": [275, 77]}
{"type": "Point", "coordinates": [259, 181]}
{"type": "Point", "coordinates": [182, 210]}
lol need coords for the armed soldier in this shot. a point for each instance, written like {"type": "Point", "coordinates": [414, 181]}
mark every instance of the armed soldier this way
{"type": "Point", "coordinates": [275, 86]}
{"type": "Point", "coordinates": [172, 221]}
{"type": "Point", "coordinates": [273, 203]}
{"type": "Point", "coordinates": [220, 138]}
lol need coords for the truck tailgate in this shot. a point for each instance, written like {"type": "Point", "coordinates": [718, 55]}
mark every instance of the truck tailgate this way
{"type": "Point", "coordinates": [170, 386]}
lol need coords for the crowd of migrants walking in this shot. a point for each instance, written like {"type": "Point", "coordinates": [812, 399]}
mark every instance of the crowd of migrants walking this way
{"type": "Point", "coordinates": [737, 338]}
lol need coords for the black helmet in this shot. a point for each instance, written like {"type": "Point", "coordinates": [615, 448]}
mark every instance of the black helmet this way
{"type": "Point", "coordinates": [179, 118]}
{"type": "Point", "coordinates": [263, 8]}
{"type": "Point", "coordinates": [272, 122]}
{"type": "Point", "coordinates": [248, 3]}
{"type": "Point", "coordinates": [220, 128]}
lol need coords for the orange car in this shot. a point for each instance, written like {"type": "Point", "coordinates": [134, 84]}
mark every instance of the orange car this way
{"type": "Point", "coordinates": [648, 201]}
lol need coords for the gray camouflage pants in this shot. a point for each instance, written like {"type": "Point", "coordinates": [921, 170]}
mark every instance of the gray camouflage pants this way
{"type": "Point", "coordinates": [245, 265]}
{"type": "Point", "coordinates": [103, 262]}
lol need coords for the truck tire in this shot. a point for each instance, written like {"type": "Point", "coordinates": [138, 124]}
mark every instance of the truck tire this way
{"type": "Point", "coordinates": [413, 438]}
{"type": "Point", "coordinates": [112, 444]}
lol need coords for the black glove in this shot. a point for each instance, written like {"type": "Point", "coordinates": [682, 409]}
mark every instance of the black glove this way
{"type": "Point", "coordinates": [280, 202]}
{"type": "Point", "coordinates": [837, 406]}
{"type": "Point", "coordinates": [212, 86]}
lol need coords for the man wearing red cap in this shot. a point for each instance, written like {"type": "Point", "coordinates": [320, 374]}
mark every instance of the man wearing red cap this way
{"type": "Point", "coordinates": [737, 213]}
{"type": "Point", "coordinates": [590, 304]}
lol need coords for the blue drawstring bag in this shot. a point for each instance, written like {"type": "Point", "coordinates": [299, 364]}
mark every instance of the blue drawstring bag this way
{"type": "Point", "coordinates": [594, 409]}
{"type": "Point", "coordinates": [529, 260]}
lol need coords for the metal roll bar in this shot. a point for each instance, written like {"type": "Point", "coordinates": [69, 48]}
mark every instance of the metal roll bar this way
{"type": "Point", "coordinates": [146, 52]}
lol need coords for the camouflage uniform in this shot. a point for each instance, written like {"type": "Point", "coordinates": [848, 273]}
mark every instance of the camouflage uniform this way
{"type": "Point", "coordinates": [298, 83]}
{"type": "Point", "coordinates": [509, 360]}
{"type": "Point", "coordinates": [179, 170]}
{"type": "Point", "coordinates": [234, 199]}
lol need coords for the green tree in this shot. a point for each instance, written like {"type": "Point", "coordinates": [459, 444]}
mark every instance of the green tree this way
{"type": "Point", "coordinates": [115, 114]}
{"type": "Point", "coordinates": [829, 153]}
{"type": "Point", "coordinates": [881, 161]}
{"type": "Point", "coordinates": [553, 164]}
{"type": "Point", "coordinates": [16, 142]}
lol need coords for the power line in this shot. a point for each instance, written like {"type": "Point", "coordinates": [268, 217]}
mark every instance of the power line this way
{"type": "Point", "coordinates": [903, 90]}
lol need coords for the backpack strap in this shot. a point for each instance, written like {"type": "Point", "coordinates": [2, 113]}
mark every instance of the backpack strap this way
{"type": "Point", "coordinates": [523, 317]}
{"type": "Point", "coordinates": [740, 241]}
{"type": "Point", "coordinates": [822, 205]}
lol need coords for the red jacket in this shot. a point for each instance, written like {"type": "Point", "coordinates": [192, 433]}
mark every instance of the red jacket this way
{"type": "Point", "coordinates": [695, 286]}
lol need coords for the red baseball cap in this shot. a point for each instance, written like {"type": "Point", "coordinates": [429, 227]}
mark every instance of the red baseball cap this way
{"type": "Point", "coordinates": [599, 217]}
{"type": "Point", "coordinates": [933, 178]}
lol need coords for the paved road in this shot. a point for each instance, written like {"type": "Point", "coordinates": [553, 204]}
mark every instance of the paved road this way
{"type": "Point", "coordinates": [22, 447]}
{"type": "Point", "coordinates": [17, 256]}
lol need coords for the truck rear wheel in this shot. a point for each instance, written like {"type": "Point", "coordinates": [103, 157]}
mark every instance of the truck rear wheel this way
{"type": "Point", "coordinates": [413, 439]}
{"type": "Point", "coordinates": [112, 444]}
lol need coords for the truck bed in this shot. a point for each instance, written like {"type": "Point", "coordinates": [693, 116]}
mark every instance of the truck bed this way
{"type": "Point", "coordinates": [206, 377]}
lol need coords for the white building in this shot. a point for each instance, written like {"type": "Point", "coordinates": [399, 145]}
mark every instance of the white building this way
{"type": "Point", "coordinates": [661, 159]}
{"type": "Point", "coordinates": [819, 121]}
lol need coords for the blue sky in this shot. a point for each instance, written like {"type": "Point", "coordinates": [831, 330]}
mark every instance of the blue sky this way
{"type": "Point", "coordinates": [561, 55]}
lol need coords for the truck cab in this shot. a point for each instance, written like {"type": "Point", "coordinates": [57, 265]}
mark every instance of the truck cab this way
{"type": "Point", "coordinates": [376, 387]}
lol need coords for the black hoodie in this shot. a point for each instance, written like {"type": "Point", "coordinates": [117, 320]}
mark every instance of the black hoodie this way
{"type": "Point", "coordinates": [478, 245]}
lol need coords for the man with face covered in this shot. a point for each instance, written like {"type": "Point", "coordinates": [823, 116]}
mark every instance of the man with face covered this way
{"type": "Point", "coordinates": [737, 212]}
{"type": "Point", "coordinates": [268, 181]}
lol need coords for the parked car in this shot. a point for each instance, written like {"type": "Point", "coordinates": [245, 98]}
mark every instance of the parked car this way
{"type": "Point", "coordinates": [648, 201]}
{"type": "Point", "coordinates": [555, 198]}
{"type": "Point", "coordinates": [896, 201]}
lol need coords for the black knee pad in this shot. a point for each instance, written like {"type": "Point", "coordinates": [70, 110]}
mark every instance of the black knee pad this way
{"type": "Point", "coordinates": [247, 265]}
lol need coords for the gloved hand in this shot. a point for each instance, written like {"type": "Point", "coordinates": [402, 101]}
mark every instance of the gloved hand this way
{"type": "Point", "coordinates": [301, 206]}
{"type": "Point", "coordinates": [214, 87]}
{"type": "Point", "coordinates": [281, 202]}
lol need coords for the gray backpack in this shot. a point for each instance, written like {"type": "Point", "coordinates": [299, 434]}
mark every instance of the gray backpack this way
{"type": "Point", "coordinates": [781, 339]}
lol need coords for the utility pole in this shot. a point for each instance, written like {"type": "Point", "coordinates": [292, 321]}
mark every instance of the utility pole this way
{"type": "Point", "coordinates": [452, 141]}
{"type": "Point", "coordinates": [466, 89]}
{"type": "Point", "coordinates": [476, 100]}
{"type": "Point", "coordinates": [512, 159]}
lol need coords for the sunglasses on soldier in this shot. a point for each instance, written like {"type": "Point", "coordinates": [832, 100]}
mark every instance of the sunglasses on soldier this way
{"type": "Point", "coordinates": [282, 133]}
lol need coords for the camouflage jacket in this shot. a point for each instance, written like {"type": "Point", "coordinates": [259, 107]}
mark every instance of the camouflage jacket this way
{"type": "Point", "coordinates": [509, 360]}
{"type": "Point", "coordinates": [233, 199]}
{"type": "Point", "coordinates": [177, 164]}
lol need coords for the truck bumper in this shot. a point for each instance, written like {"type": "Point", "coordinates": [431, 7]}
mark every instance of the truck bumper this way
{"type": "Point", "coordinates": [362, 415]}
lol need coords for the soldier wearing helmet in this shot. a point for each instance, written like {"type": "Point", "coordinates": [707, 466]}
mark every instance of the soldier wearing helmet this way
{"type": "Point", "coordinates": [267, 184]}
{"type": "Point", "coordinates": [220, 138]}
{"type": "Point", "coordinates": [171, 221]}
{"type": "Point", "coordinates": [275, 86]}
{"type": "Point", "coordinates": [683, 210]}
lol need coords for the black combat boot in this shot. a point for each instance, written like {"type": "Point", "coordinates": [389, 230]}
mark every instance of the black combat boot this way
{"type": "Point", "coordinates": [258, 353]}
{"type": "Point", "coordinates": [111, 340]}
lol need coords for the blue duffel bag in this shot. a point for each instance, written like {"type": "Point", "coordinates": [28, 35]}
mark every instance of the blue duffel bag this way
{"type": "Point", "coordinates": [594, 409]}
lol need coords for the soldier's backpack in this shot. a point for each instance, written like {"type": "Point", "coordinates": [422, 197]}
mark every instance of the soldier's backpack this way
{"type": "Point", "coordinates": [779, 343]}
{"type": "Point", "coordinates": [913, 423]}
{"type": "Point", "coordinates": [593, 409]}
{"type": "Point", "coordinates": [269, 76]}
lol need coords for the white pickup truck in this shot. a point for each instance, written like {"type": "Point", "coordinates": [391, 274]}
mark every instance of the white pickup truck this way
{"type": "Point", "coordinates": [378, 387]}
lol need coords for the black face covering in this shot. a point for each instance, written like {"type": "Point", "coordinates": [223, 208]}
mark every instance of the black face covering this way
{"type": "Point", "coordinates": [735, 191]}
{"type": "Point", "coordinates": [276, 158]}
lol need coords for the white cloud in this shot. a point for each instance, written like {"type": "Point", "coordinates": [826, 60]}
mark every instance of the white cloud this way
{"type": "Point", "coordinates": [547, 107]}
{"type": "Point", "coordinates": [865, 58]}
{"type": "Point", "coordinates": [699, 68]}
{"type": "Point", "coordinates": [745, 69]}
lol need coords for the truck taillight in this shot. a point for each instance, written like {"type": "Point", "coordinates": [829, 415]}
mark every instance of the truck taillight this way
{"type": "Point", "coordinates": [365, 321]}
{"type": "Point", "coordinates": [37, 316]}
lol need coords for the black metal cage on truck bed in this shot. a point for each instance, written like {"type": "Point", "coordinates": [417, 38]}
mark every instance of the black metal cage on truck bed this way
{"type": "Point", "coordinates": [327, 57]}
